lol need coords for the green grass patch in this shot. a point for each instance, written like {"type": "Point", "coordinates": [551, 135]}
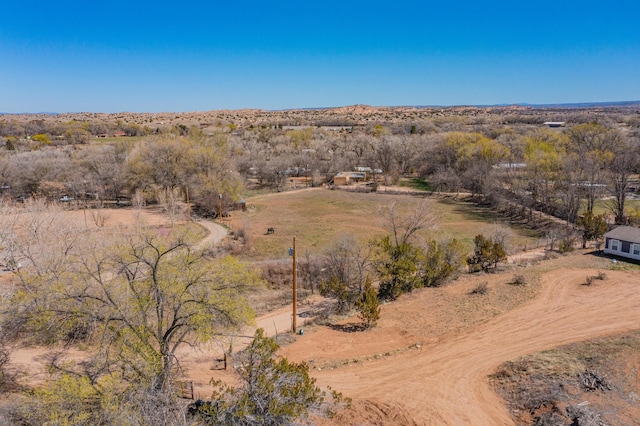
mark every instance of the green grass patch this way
{"type": "Point", "coordinates": [112, 140]}
{"type": "Point", "coordinates": [416, 183]}
{"type": "Point", "coordinates": [604, 207]}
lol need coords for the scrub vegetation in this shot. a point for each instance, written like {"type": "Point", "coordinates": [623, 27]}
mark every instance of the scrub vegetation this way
{"type": "Point", "coordinates": [386, 203]}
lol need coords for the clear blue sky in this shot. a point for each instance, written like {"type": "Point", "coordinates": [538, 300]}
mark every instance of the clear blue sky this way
{"type": "Point", "coordinates": [143, 56]}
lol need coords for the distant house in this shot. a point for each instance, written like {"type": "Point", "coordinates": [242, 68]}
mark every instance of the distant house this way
{"type": "Point", "coordinates": [510, 166]}
{"type": "Point", "coordinates": [347, 178]}
{"type": "Point", "coordinates": [623, 241]}
{"type": "Point", "coordinates": [363, 169]}
{"type": "Point", "coordinates": [555, 123]}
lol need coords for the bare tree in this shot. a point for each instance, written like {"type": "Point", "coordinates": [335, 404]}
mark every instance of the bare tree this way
{"type": "Point", "coordinates": [403, 226]}
{"type": "Point", "coordinates": [624, 163]}
{"type": "Point", "coordinates": [593, 144]}
{"type": "Point", "coordinates": [346, 264]}
{"type": "Point", "coordinates": [502, 234]}
{"type": "Point", "coordinates": [169, 199]}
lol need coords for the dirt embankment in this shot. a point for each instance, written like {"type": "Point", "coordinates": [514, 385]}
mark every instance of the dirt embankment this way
{"type": "Point", "coordinates": [443, 379]}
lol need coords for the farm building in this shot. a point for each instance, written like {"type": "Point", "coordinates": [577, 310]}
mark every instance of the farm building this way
{"type": "Point", "coordinates": [623, 241]}
{"type": "Point", "coordinates": [347, 178]}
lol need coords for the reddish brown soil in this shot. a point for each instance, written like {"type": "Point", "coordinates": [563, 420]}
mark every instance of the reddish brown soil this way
{"type": "Point", "coordinates": [427, 365]}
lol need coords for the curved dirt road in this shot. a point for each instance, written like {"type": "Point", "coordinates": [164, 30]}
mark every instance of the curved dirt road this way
{"type": "Point", "coordinates": [216, 234]}
{"type": "Point", "coordinates": [446, 383]}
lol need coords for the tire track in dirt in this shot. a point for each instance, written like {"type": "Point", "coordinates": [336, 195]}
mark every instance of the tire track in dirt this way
{"type": "Point", "coordinates": [447, 383]}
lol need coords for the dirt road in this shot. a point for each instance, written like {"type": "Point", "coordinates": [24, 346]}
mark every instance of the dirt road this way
{"type": "Point", "coordinates": [445, 383]}
{"type": "Point", "coordinates": [216, 233]}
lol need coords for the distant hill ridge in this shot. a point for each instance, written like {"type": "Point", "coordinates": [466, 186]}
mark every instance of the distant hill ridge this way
{"type": "Point", "coordinates": [362, 108]}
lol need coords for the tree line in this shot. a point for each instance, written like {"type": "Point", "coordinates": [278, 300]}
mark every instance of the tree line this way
{"type": "Point", "coordinates": [551, 170]}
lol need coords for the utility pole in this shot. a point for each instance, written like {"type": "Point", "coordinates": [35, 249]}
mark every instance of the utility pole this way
{"type": "Point", "coordinates": [186, 189]}
{"type": "Point", "coordinates": [295, 295]}
{"type": "Point", "coordinates": [220, 207]}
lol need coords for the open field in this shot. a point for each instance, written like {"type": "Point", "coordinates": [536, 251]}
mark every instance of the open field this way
{"type": "Point", "coordinates": [319, 216]}
{"type": "Point", "coordinates": [631, 205]}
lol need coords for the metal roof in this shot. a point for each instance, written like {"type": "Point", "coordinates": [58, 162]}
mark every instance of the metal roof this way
{"type": "Point", "coordinates": [625, 233]}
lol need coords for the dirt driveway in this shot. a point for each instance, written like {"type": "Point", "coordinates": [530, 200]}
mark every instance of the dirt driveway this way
{"type": "Point", "coordinates": [445, 382]}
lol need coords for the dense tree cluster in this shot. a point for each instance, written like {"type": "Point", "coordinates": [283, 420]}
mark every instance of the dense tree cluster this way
{"type": "Point", "coordinates": [494, 153]}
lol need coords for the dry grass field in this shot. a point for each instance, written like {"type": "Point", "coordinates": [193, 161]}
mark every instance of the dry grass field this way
{"type": "Point", "coordinates": [319, 216]}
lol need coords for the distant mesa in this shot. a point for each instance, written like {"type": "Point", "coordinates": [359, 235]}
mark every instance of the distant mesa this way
{"type": "Point", "coordinates": [357, 109]}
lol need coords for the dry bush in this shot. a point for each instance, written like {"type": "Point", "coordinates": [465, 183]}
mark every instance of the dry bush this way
{"type": "Point", "coordinates": [8, 374]}
{"type": "Point", "coordinates": [550, 255]}
{"type": "Point", "coordinates": [582, 415]}
{"type": "Point", "coordinates": [540, 392]}
{"type": "Point", "coordinates": [481, 288]}
{"type": "Point", "coordinates": [277, 274]}
{"type": "Point", "coordinates": [568, 243]}
{"type": "Point", "coordinates": [518, 279]}
{"type": "Point", "coordinates": [590, 279]}
{"type": "Point", "coordinates": [551, 418]}
{"type": "Point", "coordinates": [99, 217]}
{"type": "Point", "coordinates": [523, 279]}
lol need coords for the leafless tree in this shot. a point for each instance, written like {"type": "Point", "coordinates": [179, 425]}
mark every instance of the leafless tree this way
{"type": "Point", "coordinates": [403, 225]}
{"type": "Point", "coordinates": [594, 145]}
{"type": "Point", "coordinates": [348, 261]}
{"type": "Point", "coordinates": [624, 162]}
{"type": "Point", "coordinates": [169, 199]}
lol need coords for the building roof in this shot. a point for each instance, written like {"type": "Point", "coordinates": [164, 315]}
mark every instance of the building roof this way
{"type": "Point", "coordinates": [352, 175]}
{"type": "Point", "coordinates": [625, 233]}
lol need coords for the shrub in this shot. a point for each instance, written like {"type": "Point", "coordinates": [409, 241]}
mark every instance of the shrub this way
{"type": "Point", "coordinates": [487, 254]}
{"type": "Point", "coordinates": [601, 276]}
{"type": "Point", "coordinates": [481, 288]}
{"type": "Point", "coordinates": [567, 244]}
{"type": "Point", "coordinates": [368, 305]}
{"type": "Point", "coordinates": [272, 390]}
{"type": "Point", "coordinates": [518, 279]}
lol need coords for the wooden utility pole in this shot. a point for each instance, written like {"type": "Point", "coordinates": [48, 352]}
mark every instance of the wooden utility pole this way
{"type": "Point", "coordinates": [295, 295]}
{"type": "Point", "coordinates": [220, 208]}
{"type": "Point", "coordinates": [186, 189]}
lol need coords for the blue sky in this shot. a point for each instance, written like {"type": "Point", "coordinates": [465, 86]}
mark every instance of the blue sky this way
{"type": "Point", "coordinates": [141, 56]}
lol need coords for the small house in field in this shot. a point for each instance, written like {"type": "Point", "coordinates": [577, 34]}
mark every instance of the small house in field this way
{"type": "Point", "coordinates": [623, 241]}
{"type": "Point", "coordinates": [347, 178]}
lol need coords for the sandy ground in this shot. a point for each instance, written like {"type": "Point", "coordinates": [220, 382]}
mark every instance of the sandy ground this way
{"type": "Point", "coordinates": [445, 382]}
